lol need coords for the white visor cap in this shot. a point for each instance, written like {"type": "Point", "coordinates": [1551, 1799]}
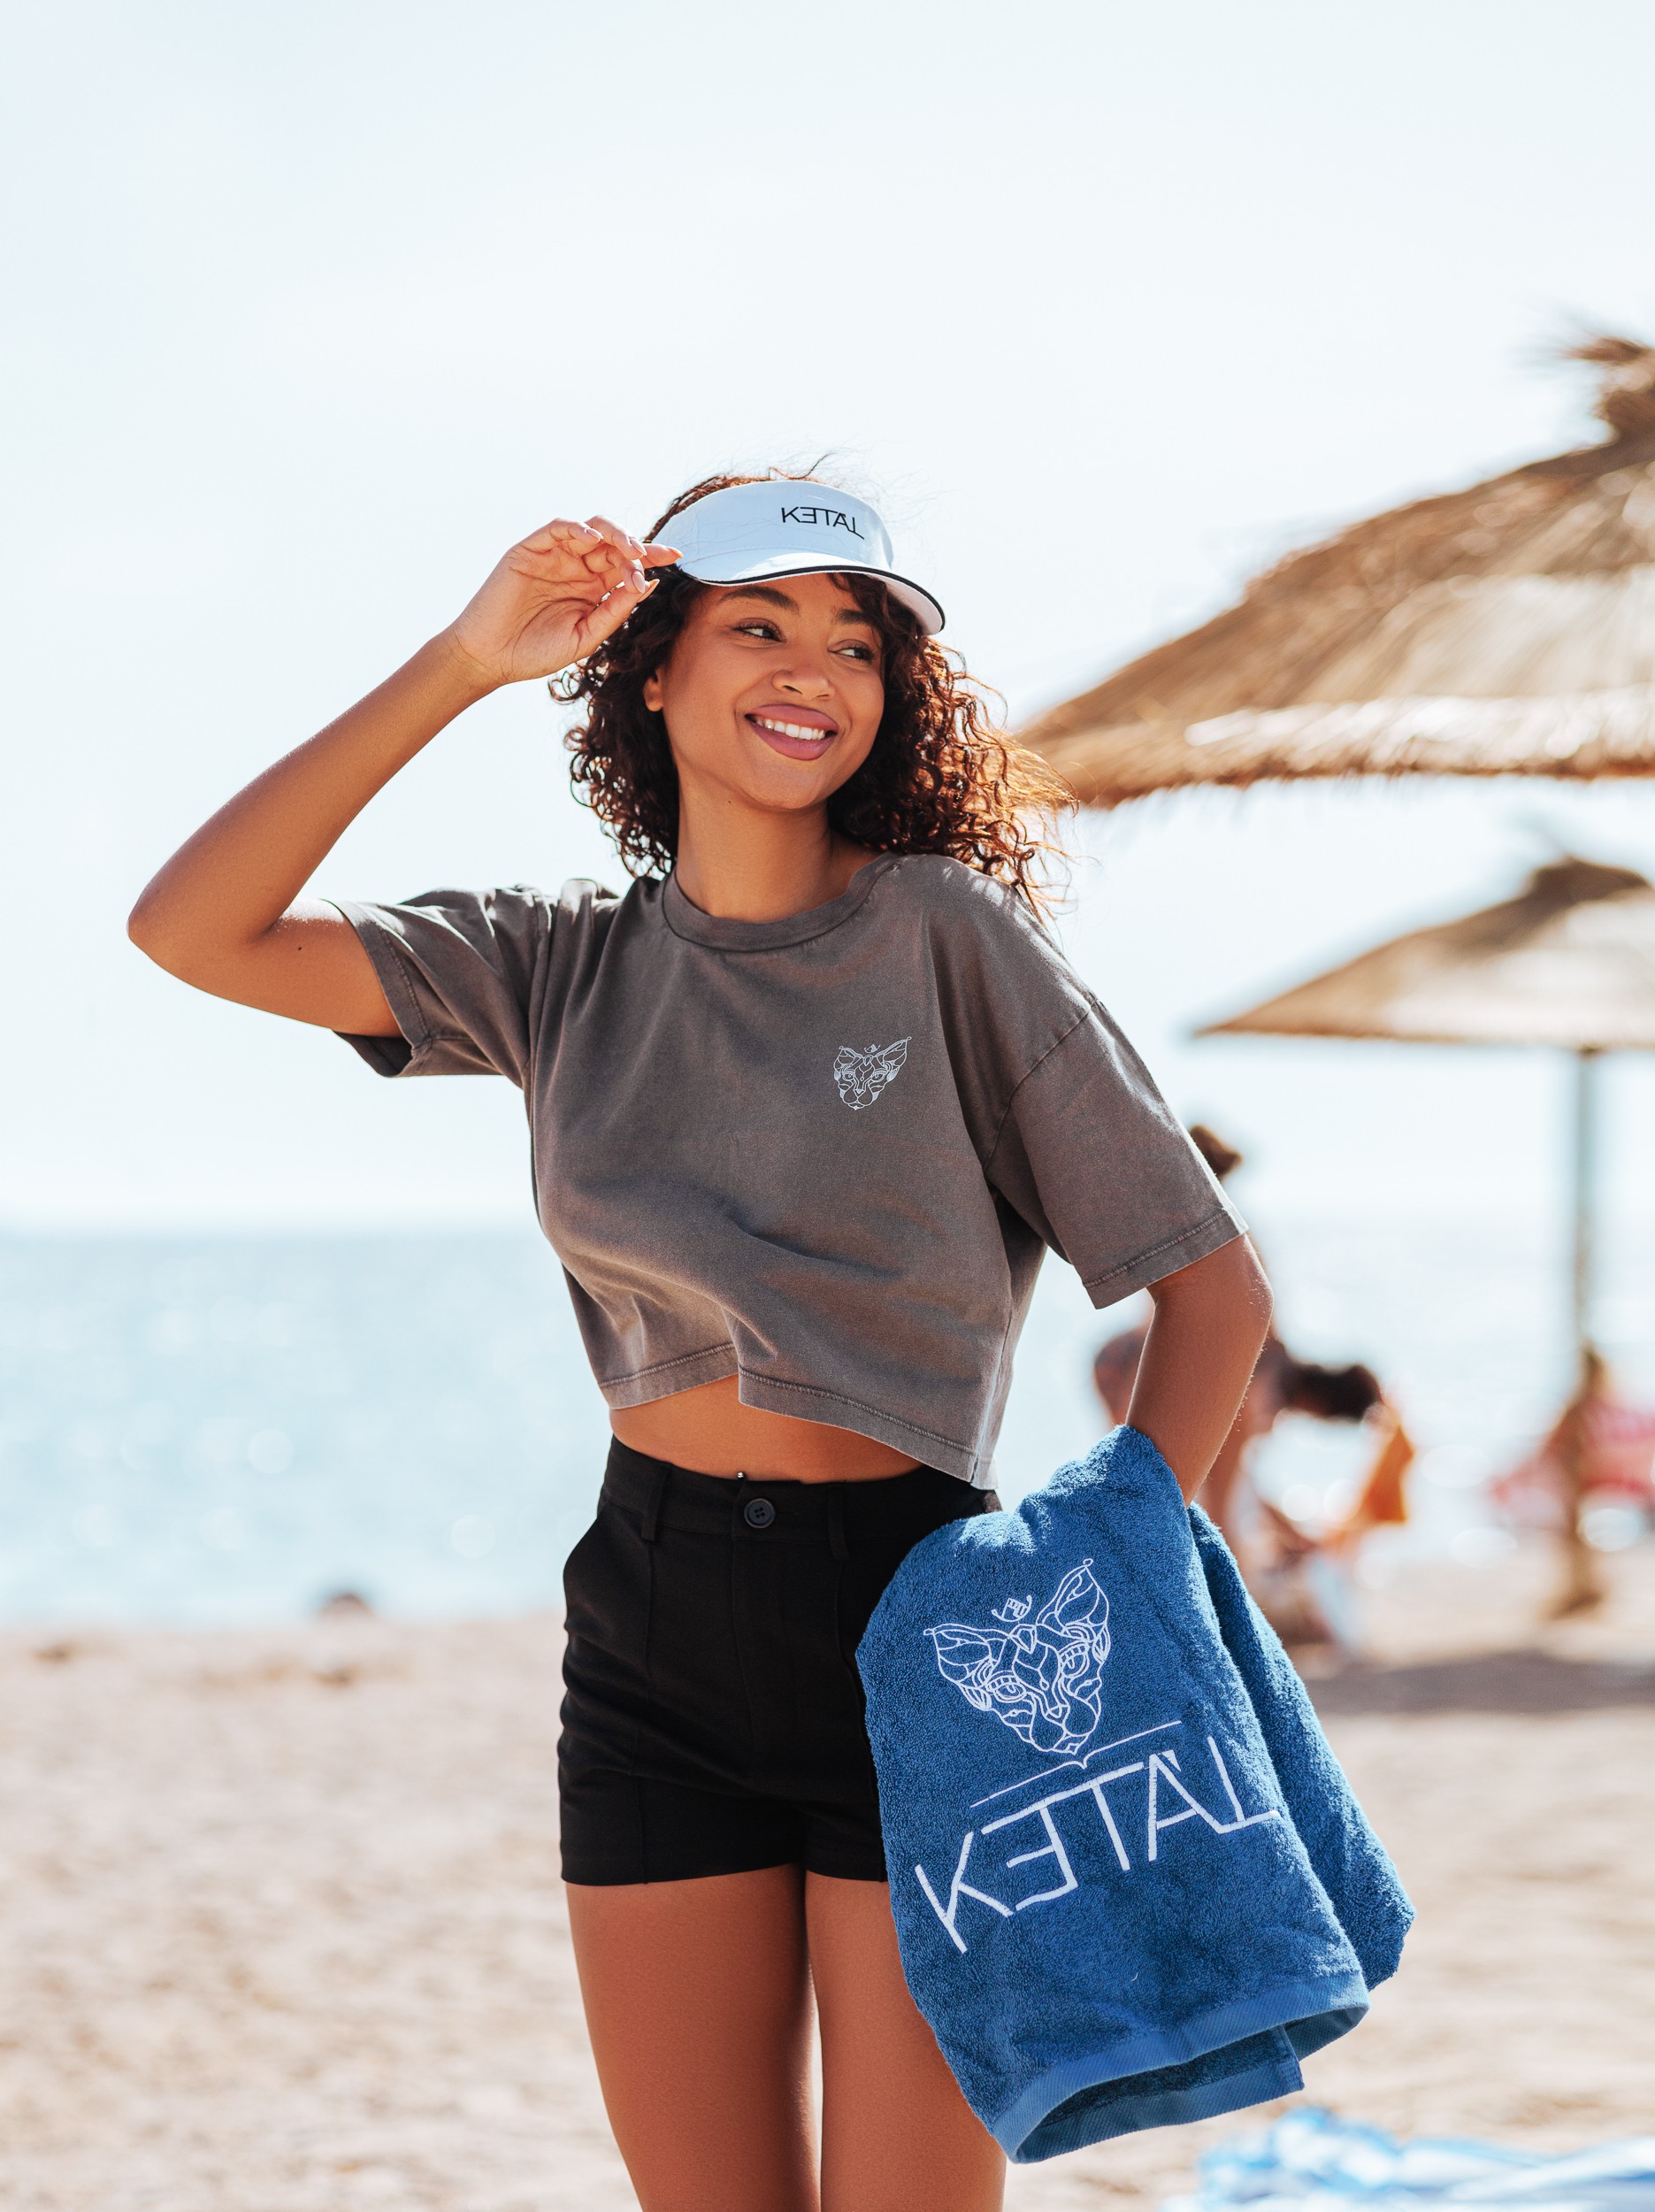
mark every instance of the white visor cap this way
{"type": "Point", "coordinates": [753, 534]}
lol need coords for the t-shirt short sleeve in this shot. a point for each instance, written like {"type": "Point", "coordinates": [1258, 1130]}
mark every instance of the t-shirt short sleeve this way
{"type": "Point", "coordinates": [460, 969]}
{"type": "Point", "coordinates": [1091, 1157]}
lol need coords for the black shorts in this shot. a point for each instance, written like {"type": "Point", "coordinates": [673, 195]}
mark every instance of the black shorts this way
{"type": "Point", "coordinates": [713, 1713]}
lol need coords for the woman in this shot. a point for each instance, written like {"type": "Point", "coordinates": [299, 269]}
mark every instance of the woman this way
{"type": "Point", "coordinates": [807, 1105]}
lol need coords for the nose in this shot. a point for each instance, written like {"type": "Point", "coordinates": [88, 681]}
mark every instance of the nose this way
{"type": "Point", "coordinates": [808, 679]}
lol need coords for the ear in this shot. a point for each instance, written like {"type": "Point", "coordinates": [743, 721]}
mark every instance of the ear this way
{"type": "Point", "coordinates": [652, 691]}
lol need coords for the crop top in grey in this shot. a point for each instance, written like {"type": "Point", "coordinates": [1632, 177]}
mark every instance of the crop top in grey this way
{"type": "Point", "coordinates": [824, 1155]}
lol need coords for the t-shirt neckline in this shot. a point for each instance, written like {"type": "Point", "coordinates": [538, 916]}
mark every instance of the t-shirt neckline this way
{"type": "Point", "coordinates": [685, 919]}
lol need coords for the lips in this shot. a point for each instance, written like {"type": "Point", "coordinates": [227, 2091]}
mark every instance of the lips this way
{"type": "Point", "coordinates": [797, 731]}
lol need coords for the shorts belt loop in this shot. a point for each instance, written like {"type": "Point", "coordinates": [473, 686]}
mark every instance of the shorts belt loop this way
{"type": "Point", "coordinates": [838, 1545]}
{"type": "Point", "coordinates": [657, 1498]}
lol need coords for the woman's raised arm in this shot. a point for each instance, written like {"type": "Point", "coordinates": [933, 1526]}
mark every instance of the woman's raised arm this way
{"type": "Point", "coordinates": [226, 913]}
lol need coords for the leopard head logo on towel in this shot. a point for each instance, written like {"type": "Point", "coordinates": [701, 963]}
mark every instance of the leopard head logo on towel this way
{"type": "Point", "coordinates": [861, 1076]}
{"type": "Point", "coordinates": [1043, 1678]}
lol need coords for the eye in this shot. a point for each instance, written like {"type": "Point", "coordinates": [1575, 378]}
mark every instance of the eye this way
{"type": "Point", "coordinates": [857, 652]}
{"type": "Point", "coordinates": [757, 625]}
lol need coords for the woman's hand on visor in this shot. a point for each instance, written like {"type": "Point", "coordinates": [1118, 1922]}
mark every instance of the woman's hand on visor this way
{"type": "Point", "coordinates": [553, 599]}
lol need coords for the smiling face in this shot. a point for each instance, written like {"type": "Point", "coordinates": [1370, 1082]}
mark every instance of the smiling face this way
{"type": "Point", "coordinates": [773, 693]}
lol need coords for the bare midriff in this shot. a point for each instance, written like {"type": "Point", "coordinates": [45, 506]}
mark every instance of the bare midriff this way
{"type": "Point", "coordinates": [711, 1432]}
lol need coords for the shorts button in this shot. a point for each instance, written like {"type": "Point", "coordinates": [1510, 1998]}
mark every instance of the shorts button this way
{"type": "Point", "coordinates": [758, 1513]}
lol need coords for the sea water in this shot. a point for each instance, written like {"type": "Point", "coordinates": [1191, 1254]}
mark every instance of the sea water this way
{"type": "Point", "coordinates": [232, 1427]}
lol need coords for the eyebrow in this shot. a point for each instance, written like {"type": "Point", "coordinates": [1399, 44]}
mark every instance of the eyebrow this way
{"type": "Point", "coordinates": [774, 598]}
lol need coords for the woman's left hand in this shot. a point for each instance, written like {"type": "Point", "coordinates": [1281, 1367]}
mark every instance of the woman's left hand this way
{"type": "Point", "coordinates": [1210, 1321]}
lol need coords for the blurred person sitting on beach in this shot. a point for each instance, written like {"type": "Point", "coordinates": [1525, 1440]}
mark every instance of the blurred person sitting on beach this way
{"type": "Point", "coordinates": [1299, 1577]}
{"type": "Point", "coordinates": [807, 1106]}
{"type": "Point", "coordinates": [1600, 1446]}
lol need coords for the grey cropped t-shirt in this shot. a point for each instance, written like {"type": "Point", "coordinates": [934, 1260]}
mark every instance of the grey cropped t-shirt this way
{"type": "Point", "coordinates": [825, 1154]}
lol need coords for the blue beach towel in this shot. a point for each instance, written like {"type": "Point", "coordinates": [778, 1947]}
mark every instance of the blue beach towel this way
{"type": "Point", "coordinates": [1131, 1885]}
{"type": "Point", "coordinates": [1312, 2161]}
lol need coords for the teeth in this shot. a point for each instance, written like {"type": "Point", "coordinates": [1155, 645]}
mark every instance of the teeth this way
{"type": "Point", "coordinates": [790, 729]}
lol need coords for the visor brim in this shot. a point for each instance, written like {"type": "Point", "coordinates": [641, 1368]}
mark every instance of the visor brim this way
{"type": "Point", "coordinates": [770, 569]}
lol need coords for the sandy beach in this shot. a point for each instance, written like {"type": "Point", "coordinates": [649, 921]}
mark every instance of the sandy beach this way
{"type": "Point", "coordinates": [282, 1928]}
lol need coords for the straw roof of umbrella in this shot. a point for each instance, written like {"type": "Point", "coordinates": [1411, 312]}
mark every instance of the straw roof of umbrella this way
{"type": "Point", "coordinates": [1506, 629]}
{"type": "Point", "coordinates": [1569, 962]}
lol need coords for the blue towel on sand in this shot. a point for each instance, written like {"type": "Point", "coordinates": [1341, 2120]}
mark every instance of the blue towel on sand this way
{"type": "Point", "coordinates": [1131, 1885]}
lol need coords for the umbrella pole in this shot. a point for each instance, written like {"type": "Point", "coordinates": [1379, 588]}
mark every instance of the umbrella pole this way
{"type": "Point", "coordinates": [1581, 1586]}
{"type": "Point", "coordinates": [1585, 1209]}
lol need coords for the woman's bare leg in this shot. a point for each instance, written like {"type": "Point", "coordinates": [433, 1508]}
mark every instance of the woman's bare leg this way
{"type": "Point", "coordinates": [697, 2002]}
{"type": "Point", "coordinates": [897, 2136]}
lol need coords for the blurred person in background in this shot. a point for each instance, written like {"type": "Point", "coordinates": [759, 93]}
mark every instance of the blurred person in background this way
{"type": "Point", "coordinates": [1300, 1578]}
{"type": "Point", "coordinates": [1597, 1460]}
{"type": "Point", "coordinates": [807, 1105]}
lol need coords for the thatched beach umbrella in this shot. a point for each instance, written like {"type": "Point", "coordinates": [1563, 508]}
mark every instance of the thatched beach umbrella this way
{"type": "Point", "coordinates": [1569, 962]}
{"type": "Point", "coordinates": [1507, 629]}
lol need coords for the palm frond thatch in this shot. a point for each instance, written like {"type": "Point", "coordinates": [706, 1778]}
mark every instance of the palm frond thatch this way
{"type": "Point", "coordinates": [1506, 629]}
{"type": "Point", "coordinates": [1569, 962]}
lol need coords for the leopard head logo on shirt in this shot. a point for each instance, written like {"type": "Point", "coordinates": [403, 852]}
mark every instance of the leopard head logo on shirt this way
{"type": "Point", "coordinates": [861, 1076]}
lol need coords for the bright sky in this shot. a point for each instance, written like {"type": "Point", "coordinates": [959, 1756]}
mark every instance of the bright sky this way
{"type": "Point", "coordinates": [313, 308]}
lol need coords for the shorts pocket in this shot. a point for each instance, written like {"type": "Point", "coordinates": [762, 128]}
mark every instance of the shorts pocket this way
{"type": "Point", "coordinates": [577, 1567]}
{"type": "Point", "coordinates": [606, 1590]}
{"type": "Point", "coordinates": [862, 1584]}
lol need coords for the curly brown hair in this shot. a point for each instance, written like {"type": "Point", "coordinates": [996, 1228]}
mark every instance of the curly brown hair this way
{"type": "Point", "coordinates": [941, 777]}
